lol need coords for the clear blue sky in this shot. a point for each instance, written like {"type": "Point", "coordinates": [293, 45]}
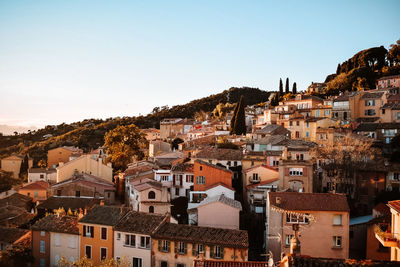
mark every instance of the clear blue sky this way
{"type": "Point", "coordinates": [71, 60]}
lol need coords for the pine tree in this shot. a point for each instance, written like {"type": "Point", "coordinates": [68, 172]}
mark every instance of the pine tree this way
{"type": "Point", "coordinates": [294, 89]}
{"type": "Point", "coordinates": [240, 121]}
{"type": "Point", "coordinates": [287, 86]}
{"type": "Point", "coordinates": [280, 87]}
{"type": "Point", "coordinates": [234, 117]}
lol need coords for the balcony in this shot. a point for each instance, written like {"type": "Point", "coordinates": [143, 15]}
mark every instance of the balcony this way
{"type": "Point", "coordinates": [386, 238]}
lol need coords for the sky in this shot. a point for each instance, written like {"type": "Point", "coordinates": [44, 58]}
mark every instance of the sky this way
{"type": "Point", "coordinates": [65, 61]}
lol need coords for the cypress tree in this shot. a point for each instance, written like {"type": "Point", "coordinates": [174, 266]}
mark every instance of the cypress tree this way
{"type": "Point", "coordinates": [240, 121]}
{"type": "Point", "coordinates": [24, 166]}
{"type": "Point", "coordinates": [294, 89]}
{"type": "Point", "coordinates": [275, 100]}
{"type": "Point", "coordinates": [280, 87]}
{"type": "Point", "coordinates": [234, 117]}
{"type": "Point", "coordinates": [338, 69]}
{"type": "Point", "coordinates": [287, 86]}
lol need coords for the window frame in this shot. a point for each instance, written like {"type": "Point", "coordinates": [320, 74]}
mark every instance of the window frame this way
{"type": "Point", "coordinates": [101, 233]}
{"type": "Point", "coordinates": [128, 240]}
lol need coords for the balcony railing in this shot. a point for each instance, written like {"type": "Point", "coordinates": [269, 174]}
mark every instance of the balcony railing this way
{"type": "Point", "coordinates": [386, 238]}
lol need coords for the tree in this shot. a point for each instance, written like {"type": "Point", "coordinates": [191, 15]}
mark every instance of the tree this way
{"type": "Point", "coordinates": [233, 119]}
{"type": "Point", "coordinates": [294, 88]}
{"type": "Point", "coordinates": [7, 181]}
{"type": "Point", "coordinates": [338, 69]}
{"type": "Point", "coordinates": [24, 166]}
{"type": "Point", "coordinates": [393, 55]}
{"type": "Point", "coordinates": [287, 86]}
{"type": "Point", "coordinates": [280, 87]}
{"type": "Point", "coordinates": [123, 144]}
{"type": "Point", "coordinates": [42, 163]}
{"type": "Point", "coordinates": [275, 100]}
{"type": "Point", "coordinates": [239, 127]}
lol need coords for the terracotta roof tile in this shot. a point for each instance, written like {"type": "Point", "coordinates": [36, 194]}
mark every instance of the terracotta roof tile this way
{"type": "Point", "coordinates": [309, 201]}
{"type": "Point", "coordinates": [58, 224]}
{"type": "Point", "coordinates": [220, 154]}
{"type": "Point", "coordinates": [139, 222]}
{"type": "Point", "coordinates": [38, 185]}
{"type": "Point", "coordinates": [105, 215]}
{"type": "Point", "coordinates": [205, 235]}
{"type": "Point", "coordinates": [223, 199]}
{"type": "Point", "coordinates": [395, 204]}
{"type": "Point", "coordinates": [212, 165]}
{"type": "Point", "coordinates": [73, 203]}
{"type": "Point", "coordinates": [9, 235]}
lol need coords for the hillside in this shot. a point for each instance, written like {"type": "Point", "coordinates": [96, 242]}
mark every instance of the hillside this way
{"type": "Point", "coordinates": [89, 134]}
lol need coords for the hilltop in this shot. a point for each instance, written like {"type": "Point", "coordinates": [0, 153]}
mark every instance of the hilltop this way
{"type": "Point", "coordinates": [89, 134]}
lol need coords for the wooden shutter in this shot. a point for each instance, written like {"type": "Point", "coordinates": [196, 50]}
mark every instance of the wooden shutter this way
{"type": "Point", "coordinates": [173, 179]}
{"type": "Point", "coordinates": [194, 250]}
{"type": "Point", "coordinates": [211, 251]}
{"type": "Point", "coordinates": [159, 245]}
{"type": "Point", "coordinates": [84, 230]}
{"type": "Point", "coordinates": [222, 252]}
{"type": "Point", "coordinates": [176, 247]}
{"type": "Point", "coordinates": [185, 248]}
{"type": "Point", "coordinates": [168, 246]}
{"type": "Point", "coordinates": [92, 231]}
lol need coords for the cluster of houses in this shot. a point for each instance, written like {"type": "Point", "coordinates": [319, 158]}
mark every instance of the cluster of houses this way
{"type": "Point", "coordinates": [185, 205]}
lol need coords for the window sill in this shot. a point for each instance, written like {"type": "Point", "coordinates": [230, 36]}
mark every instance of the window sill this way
{"type": "Point", "coordinates": [337, 248]}
{"type": "Point", "coordinates": [128, 246]}
{"type": "Point", "coordinates": [336, 225]}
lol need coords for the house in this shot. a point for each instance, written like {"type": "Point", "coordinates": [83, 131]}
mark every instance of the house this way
{"type": "Point", "coordinates": [152, 134]}
{"type": "Point", "coordinates": [61, 154]}
{"type": "Point", "coordinates": [42, 174]}
{"type": "Point", "coordinates": [85, 164]}
{"type": "Point", "coordinates": [150, 196]}
{"type": "Point", "coordinates": [132, 237]}
{"type": "Point", "coordinates": [316, 88]}
{"type": "Point", "coordinates": [388, 82]}
{"type": "Point", "coordinates": [207, 174]}
{"type": "Point", "coordinates": [182, 180]}
{"type": "Point", "coordinates": [178, 245]}
{"type": "Point", "coordinates": [341, 108]}
{"type": "Point", "coordinates": [9, 235]}
{"type": "Point", "coordinates": [256, 194]}
{"type": "Point", "coordinates": [272, 129]}
{"type": "Point", "coordinates": [228, 263]}
{"type": "Point", "coordinates": [13, 164]}
{"type": "Point", "coordinates": [166, 160]}
{"type": "Point", "coordinates": [271, 143]}
{"type": "Point", "coordinates": [358, 236]}
{"type": "Point", "coordinates": [311, 125]}
{"type": "Point", "coordinates": [55, 236]}
{"type": "Point", "coordinates": [171, 127]}
{"type": "Point", "coordinates": [96, 230]}
{"type": "Point", "coordinates": [390, 112]}
{"type": "Point", "coordinates": [259, 174]}
{"type": "Point", "coordinates": [317, 216]}
{"type": "Point", "coordinates": [304, 101]}
{"type": "Point", "coordinates": [254, 158]}
{"type": "Point", "coordinates": [18, 200]}
{"type": "Point", "coordinates": [219, 212]}
{"type": "Point", "coordinates": [381, 217]}
{"type": "Point", "coordinates": [13, 216]}
{"type": "Point", "coordinates": [37, 190]}
{"type": "Point", "coordinates": [85, 185]}
{"type": "Point", "coordinates": [389, 237]}
{"type": "Point", "coordinates": [157, 147]}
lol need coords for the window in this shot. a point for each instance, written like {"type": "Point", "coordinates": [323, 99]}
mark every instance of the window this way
{"type": "Point", "coordinates": [163, 264]}
{"type": "Point", "coordinates": [57, 240]}
{"type": "Point", "coordinates": [397, 116]}
{"type": "Point", "coordinates": [389, 132]}
{"type": "Point", "coordinates": [58, 192]}
{"type": "Point", "coordinates": [103, 233]}
{"type": "Point", "coordinates": [337, 219]}
{"type": "Point", "coordinates": [177, 191]}
{"type": "Point", "coordinates": [307, 134]}
{"type": "Point", "coordinates": [151, 195]}
{"type": "Point", "coordinates": [200, 249]}
{"type": "Point", "coordinates": [130, 240]}
{"type": "Point", "coordinates": [317, 113]}
{"type": "Point", "coordinates": [42, 233]}
{"type": "Point", "coordinates": [164, 178]}
{"type": "Point", "coordinates": [327, 112]}
{"type": "Point", "coordinates": [189, 178]}
{"type": "Point", "coordinates": [180, 247]}
{"type": "Point", "coordinates": [136, 262]}
{"type": "Point", "coordinates": [42, 176]}
{"type": "Point", "coordinates": [88, 231]}
{"type": "Point", "coordinates": [180, 265]}
{"type": "Point", "coordinates": [337, 241]}
{"type": "Point", "coordinates": [296, 171]}
{"type": "Point", "coordinates": [151, 209]}
{"type": "Point", "coordinates": [290, 123]}
{"type": "Point", "coordinates": [28, 194]}
{"type": "Point", "coordinates": [77, 193]}
{"type": "Point", "coordinates": [218, 252]}
{"type": "Point", "coordinates": [56, 259]}
{"type": "Point", "coordinates": [235, 163]}
{"type": "Point", "coordinates": [370, 102]}
{"type": "Point", "coordinates": [287, 239]}
{"type": "Point", "coordinates": [103, 253]}
{"type": "Point", "coordinates": [145, 242]}
{"type": "Point", "coordinates": [164, 245]}
{"type": "Point", "coordinates": [118, 236]}
{"type": "Point", "coordinates": [200, 180]}
{"type": "Point", "coordinates": [42, 246]}
{"type": "Point", "coordinates": [293, 218]}
{"type": "Point", "coordinates": [72, 242]}
{"type": "Point", "coordinates": [307, 124]}
{"type": "Point", "coordinates": [369, 112]}
{"type": "Point", "coordinates": [201, 168]}
{"type": "Point", "coordinates": [88, 252]}
{"type": "Point", "coordinates": [42, 263]}
{"type": "Point", "coordinates": [383, 111]}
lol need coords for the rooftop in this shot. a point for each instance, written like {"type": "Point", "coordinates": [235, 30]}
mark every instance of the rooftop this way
{"type": "Point", "coordinates": [139, 222]}
{"type": "Point", "coordinates": [58, 224]}
{"type": "Point", "coordinates": [220, 154]}
{"type": "Point", "coordinates": [395, 204]}
{"type": "Point", "coordinates": [212, 165]}
{"type": "Point", "coordinates": [73, 203]}
{"type": "Point", "coordinates": [38, 185]}
{"type": "Point", "coordinates": [105, 215]}
{"type": "Point", "coordinates": [9, 235]}
{"type": "Point", "coordinates": [223, 199]}
{"type": "Point", "coordinates": [309, 201]}
{"type": "Point", "coordinates": [205, 235]}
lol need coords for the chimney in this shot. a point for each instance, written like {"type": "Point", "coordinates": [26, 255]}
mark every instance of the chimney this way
{"type": "Point", "coordinates": [278, 200]}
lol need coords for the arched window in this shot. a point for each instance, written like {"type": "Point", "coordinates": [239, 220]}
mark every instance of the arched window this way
{"type": "Point", "coordinates": [151, 209]}
{"type": "Point", "coordinates": [151, 195]}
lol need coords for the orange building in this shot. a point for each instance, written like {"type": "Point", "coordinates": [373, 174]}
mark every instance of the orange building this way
{"type": "Point", "coordinates": [61, 154]}
{"type": "Point", "coordinates": [207, 174]}
{"type": "Point", "coordinates": [97, 233]}
{"type": "Point", "coordinates": [36, 190]}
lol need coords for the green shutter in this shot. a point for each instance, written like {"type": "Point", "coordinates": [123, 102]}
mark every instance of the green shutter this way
{"type": "Point", "coordinates": [194, 252]}
{"type": "Point", "coordinates": [222, 252]}
{"type": "Point", "coordinates": [159, 245]}
{"type": "Point", "coordinates": [185, 246]}
{"type": "Point", "coordinates": [176, 247]}
{"type": "Point", "coordinates": [211, 251]}
{"type": "Point", "coordinates": [168, 246]}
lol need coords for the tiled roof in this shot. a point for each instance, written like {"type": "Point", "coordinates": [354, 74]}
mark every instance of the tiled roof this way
{"type": "Point", "coordinates": [58, 224]}
{"type": "Point", "coordinates": [382, 208]}
{"type": "Point", "coordinates": [41, 170]}
{"type": "Point", "coordinates": [212, 165]}
{"type": "Point", "coordinates": [17, 200]}
{"type": "Point", "coordinates": [395, 204]}
{"type": "Point", "coordinates": [299, 260]}
{"type": "Point", "coordinates": [269, 181]}
{"type": "Point", "coordinates": [309, 201]}
{"type": "Point", "coordinates": [218, 184]}
{"type": "Point", "coordinates": [363, 119]}
{"type": "Point", "coordinates": [389, 77]}
{"type": "Point", "coordinates": [182, 167]}
{"type": "Point", "coordinates": [73, 203]}
{"type": "Point", "coordinates": [38, 185]}
{"type": "Point", "coordinates": [220, 154]}
{"type": "Point", "coordinates": [14, 216]}
{"type": "Point", "coordinates": [272, 139]}
{"type": "Point", "coordinates": [260, 166]}
{"type": "Point", "coordinates": [395, 97]}
{"type": "Point", "coordinates": [366, 127]}
{"type": "Point", "coordinates": [139, 222]}
{"type": "Point", "coordinates": [205, 235]}
{"type": "Point", "coordinates": [203, 263]}
{"type": "Point", "coordinates": [104, 215]}
{"type": "Point", "coordinates": [343, 97]}
{"type": "Point", "coordinates": [372, 95]}
{"type": "Point", "coordinates": [223, 199]}
{"type": "Point", "coordinates": [273, 129]}
{"type": "Point", "coordinates": [9, 235]}
{"type": "Point", "coordinates": [389, 125]}
{"type": "Point", "coordinates": [148, 184]}
{"type": "Point", "coordinates": [393, 106]}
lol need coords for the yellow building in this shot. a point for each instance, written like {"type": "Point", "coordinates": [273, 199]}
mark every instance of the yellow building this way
{"type": "Point", "coordinates": [178, 245]}
{"type": "Point", "coordinates": [13, 164]}
{"type": "Point", "coordinates": [61, 154]}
